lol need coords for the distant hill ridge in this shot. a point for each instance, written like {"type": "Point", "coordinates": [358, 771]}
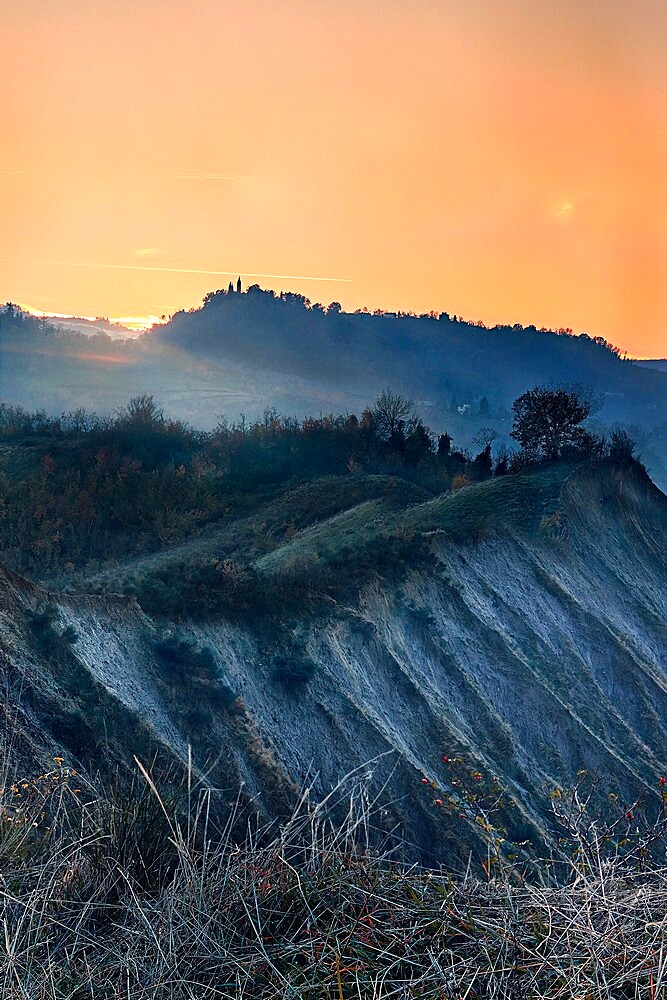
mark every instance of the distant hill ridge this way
{"type": "Point", "coordinates": [435, 356]}
{"type": "Point", "coordinates": [244, 352]}
{"type": "Point", "coordinates": [659, 363]}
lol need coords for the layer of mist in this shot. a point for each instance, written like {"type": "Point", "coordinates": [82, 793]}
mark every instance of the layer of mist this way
{"type": "Point", "coordinates": [242, 353]}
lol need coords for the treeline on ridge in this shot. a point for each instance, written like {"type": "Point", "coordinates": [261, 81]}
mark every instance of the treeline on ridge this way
{"type": "Point", "coordinates": [435, 351]}
{"type": "Point", "coordinates": [79, 490]}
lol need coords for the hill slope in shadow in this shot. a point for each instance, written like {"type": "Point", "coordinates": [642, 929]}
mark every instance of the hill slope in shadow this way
{"type": "Point", "coordinates": [527, 638]}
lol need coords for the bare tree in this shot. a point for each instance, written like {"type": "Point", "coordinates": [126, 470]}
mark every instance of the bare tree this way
{"type": "Point", "coordinates": [391, 411]}
{"type": "Point", "coordinates": [141, 411]}
{"type": "Point", "coordinates": [485, 436]}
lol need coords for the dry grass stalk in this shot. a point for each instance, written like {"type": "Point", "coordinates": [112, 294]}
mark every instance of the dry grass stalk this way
{"type": "Point", "coordinates": [130, 897]}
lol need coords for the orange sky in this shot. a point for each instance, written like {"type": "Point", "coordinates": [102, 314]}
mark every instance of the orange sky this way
{"type": "Point", "coordinates": [502, 159]}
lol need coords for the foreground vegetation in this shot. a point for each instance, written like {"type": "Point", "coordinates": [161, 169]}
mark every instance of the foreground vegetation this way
{"type": "Point", "coordinates": [130, 894]}
{"type": "Point", "coordinates": [79, 491]}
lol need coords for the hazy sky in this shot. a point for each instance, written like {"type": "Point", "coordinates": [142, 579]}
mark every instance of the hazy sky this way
{"type": "Point", "coordinates": [502, 159]}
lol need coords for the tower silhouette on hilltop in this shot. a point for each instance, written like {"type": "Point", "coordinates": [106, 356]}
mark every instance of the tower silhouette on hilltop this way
{"type": "Point", "coordinates": [238, 285]}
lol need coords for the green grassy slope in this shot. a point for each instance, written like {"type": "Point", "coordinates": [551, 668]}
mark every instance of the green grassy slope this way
{"type": "Point", "coordinates": [521, 500]}
{"type": "Point", "coordinates": [295, 511]}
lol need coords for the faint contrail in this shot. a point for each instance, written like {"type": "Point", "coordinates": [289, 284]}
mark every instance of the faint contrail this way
{"type": "Point", "coordinates": [130, 173]}
{"type": "Point", "coordinates": [184, 177]}
{"type": "Point", "coordinates": [173, 270]}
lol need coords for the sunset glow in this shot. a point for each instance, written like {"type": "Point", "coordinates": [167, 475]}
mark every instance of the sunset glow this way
{"type": "Point", "coordinates": [503, 161]}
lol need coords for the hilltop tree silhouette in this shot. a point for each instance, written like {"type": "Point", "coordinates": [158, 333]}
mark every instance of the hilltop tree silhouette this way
{"type": "Point", "coordinates": [548, 420]}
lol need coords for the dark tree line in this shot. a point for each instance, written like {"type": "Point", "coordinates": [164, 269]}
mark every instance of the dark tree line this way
{"type": "Point", "coordinates": [84, 489]}
{"type": "Point", "coordinates": [256, 295]}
